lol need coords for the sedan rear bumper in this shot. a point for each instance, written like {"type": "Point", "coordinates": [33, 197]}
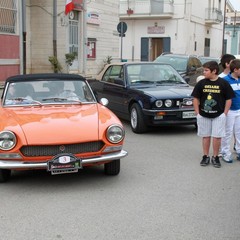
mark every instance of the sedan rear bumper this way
{"type": "Point", "coordinates": [9, 164]}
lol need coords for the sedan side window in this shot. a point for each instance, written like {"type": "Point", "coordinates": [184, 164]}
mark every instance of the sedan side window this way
{"type": "Point", "coordinates": [116, 75]}
{"type": "Point", "coordinates": [106, 75]}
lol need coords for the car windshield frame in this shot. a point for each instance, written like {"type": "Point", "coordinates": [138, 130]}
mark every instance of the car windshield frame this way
{"type": "Point", "coordinates": [46, 92]}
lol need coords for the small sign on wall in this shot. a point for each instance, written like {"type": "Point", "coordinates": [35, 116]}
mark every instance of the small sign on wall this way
{"type": "Point", "coordinates": [156, 30]}
{"type": "Point", "coordinates": [93, 18]}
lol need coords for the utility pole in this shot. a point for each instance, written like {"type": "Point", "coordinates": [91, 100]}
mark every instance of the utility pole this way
{"type": "Point", "coordinates": [224, 16]}
{"type": "Point", "coordinates": [55, 28]}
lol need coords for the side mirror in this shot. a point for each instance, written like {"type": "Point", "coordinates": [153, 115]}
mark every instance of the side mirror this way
{"type": "Point", "coordinates": [187, 79]}
{"type": "Point", "coordinates": [103, 101]}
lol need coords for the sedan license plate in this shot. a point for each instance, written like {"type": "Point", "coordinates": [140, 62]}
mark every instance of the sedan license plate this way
{"type": "Point", "coordinates": [64, 163]}
{"type": "Point", "coordinates": [189, 114]}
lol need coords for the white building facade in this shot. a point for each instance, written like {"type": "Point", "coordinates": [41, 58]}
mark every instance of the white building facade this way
{"type": "Point", "coordinates": [90, 31]}
{"type": "Point", "coordinates": [42, 29]}
{"type": "Point", "coordinates": [178, 26]}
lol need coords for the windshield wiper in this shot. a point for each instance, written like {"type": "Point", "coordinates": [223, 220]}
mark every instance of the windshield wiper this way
{"type": "Point", "coordinates": [21, 100]}
{"type": "Point", "coordinates": [57, 99]}
{"type": "Point", "coordinates": [141, 81]}
{"type": "Point", "coordinates": [169, 81]}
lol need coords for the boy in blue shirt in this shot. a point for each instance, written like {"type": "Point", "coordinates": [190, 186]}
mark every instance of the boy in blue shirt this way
{"type": "Point", "coordinates": [233, 117]}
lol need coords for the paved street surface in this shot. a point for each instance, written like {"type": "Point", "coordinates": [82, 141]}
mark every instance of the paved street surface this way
{"type": "Point", "coordinates": [162, 193]}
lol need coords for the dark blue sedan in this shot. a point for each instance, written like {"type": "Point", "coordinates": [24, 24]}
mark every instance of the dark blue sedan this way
{"type": "Point", "coordinates": [146, 94]}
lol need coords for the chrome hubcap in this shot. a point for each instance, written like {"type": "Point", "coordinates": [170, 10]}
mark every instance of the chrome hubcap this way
{"type": "Point", "coordinates": [134, 118]}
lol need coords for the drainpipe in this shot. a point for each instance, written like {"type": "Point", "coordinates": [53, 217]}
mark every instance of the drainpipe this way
{"type": "Point", "coordinates": [24, 35]}
{"type": "Point", "coordinates": [84, 37]}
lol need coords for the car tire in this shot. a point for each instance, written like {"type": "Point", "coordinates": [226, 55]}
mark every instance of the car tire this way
{"type": "Point", "coordinates": [137, 119]}
{"type": "Point", "coordinates": [5, 175]}
{"type": "Point", "coordinates": [112, 168]}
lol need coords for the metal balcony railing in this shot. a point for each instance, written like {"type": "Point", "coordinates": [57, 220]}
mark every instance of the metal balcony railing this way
{"type": "Point", "coordinates": [213, 15]}
{"type": "Point", "coordinates": [146, 8]}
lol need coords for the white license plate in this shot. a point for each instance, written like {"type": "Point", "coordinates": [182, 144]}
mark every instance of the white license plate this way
{"type": "Point", "coordinates": [188, 114]}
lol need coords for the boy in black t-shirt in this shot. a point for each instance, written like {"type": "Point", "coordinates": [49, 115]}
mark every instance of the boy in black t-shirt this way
{"type": "Point", "coordinates": [212, 100]}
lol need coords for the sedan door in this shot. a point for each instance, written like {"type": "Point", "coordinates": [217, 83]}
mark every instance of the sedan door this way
{"type": "Point", "coordinates": [114, 88]}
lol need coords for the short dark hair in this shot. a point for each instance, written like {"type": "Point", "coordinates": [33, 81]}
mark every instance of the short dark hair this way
{"type": "Point", "coordinates": [235, 64]}
{"type": "Point", "coordinates": [226, 58]}
{"type": "Point", "coordinates": [212, 65]}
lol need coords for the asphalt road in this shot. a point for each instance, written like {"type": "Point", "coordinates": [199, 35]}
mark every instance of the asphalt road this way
{"type": "Point", "coordinates": [162, 193]}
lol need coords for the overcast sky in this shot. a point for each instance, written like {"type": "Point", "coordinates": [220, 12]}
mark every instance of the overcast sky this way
{"type": "Point", "coordinates": [236, 4]}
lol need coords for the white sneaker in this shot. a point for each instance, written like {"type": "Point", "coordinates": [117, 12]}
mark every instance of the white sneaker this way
{"type": "Point", "coordinates": [227, 159]}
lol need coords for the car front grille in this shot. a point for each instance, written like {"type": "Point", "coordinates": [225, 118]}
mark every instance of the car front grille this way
{"type": "Point", "coordinates": [52, 150]}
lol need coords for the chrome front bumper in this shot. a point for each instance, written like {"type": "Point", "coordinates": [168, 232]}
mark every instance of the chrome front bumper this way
{"type": "Point", "coordinates": [9, 164]}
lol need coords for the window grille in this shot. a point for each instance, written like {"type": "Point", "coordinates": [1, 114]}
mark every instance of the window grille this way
{"type": "Point", "coordinates": [73, 33]}
{"type": "Point", "coordinates": [8, 16]}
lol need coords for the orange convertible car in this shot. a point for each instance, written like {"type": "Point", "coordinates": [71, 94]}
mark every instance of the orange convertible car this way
{"type": "Point", "coordinates": [53, 122]}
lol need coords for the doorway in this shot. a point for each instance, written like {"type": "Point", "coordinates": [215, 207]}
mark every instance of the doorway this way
{"type": "Point", "coordinates": [151, 48]}
{"type": "Point", "coordinates": [157, 48]}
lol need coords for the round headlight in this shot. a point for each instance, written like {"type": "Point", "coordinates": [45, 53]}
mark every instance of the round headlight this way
{"type": "Point", "coordinates": [115, 134]}
{"type": "Point", "coordinates": [159, 103]}
{"type": "Point", "coordinates": [168, 103]}
{"type": "Point", "coordinates": [7, 140]}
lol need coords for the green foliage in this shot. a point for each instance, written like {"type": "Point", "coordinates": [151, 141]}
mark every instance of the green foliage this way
{"type": "Point", "coordinates": [70, 57]}
{"type": "Point", "coordinates": [108, 60]}
{"type": "Point", "coordinates": [56, 66]}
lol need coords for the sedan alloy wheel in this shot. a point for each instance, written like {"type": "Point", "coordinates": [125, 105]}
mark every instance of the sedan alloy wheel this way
{"type": "Point", "coordinates": [137, 119]}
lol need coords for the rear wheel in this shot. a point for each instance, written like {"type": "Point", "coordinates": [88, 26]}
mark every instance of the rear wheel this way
{"type": "Point", "coordinates": [137, 119]}
{"type": "Point", "coordinates": [5, 175]}
{"type": "Point", "coordinates": [112, 168]}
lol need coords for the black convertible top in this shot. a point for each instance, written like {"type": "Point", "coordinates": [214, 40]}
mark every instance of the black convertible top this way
{"type": "Point", "coordinates": [43, 76]}
{"type": "Point", "coordinates": [48, 76]}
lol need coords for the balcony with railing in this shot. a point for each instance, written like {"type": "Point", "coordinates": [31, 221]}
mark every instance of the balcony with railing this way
{"type": "Point", "coordinates": [146, 9]}
{"type": "Point", "coordinates": [213, 16]}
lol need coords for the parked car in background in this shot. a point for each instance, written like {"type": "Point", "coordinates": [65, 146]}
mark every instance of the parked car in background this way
{"type": "Point", "coordinates": [146, 94]}
{"type": "Point", "coordinates": [207, 59]}
{"type": "Point", "coordinates": [188, 66]}
{"type": "Point", "coordinates": [53, 122]}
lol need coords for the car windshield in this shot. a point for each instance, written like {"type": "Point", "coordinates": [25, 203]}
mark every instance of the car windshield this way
{"type": "Point", "coordinates": [153, 74]}
{"type": "Point", "coordinates": [179, 63]}
{"type": "Point", "coordinates": [47, 92]}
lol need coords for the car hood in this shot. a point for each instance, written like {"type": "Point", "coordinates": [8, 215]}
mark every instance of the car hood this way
{"type": "Point", "coordinates": [161, 92]}
{"type": "Point", "coordinates": [53, 124]}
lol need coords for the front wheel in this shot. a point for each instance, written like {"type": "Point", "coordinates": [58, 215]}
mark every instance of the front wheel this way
{"type": "Point", "coordinates": [5, 175]}
{"type": "Point", "coordinates": [112, 168]}
{"type": "Point", "coordinates": [137, 119]}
